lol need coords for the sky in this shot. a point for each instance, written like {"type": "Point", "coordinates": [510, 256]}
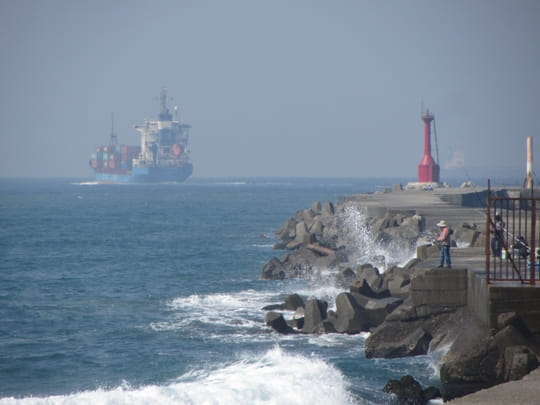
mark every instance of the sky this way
{"type": "Point", "coordinates": [273, 88]}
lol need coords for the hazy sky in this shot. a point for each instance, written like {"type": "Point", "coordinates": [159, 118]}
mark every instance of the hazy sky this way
{"type": "Point", "coordinates": [272, 88]}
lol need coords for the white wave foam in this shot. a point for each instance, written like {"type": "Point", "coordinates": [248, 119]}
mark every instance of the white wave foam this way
{"type": "Point", "coordinates": [263, 245]}
{"type": "Point", "coordinates": [367, 249]}
{"type": "Point", "coordinates": [274, 378]}
{"type": "Point", "coordinates": [238, 310]}
{"type": "Point", "coordinates": [322, 286]}
{"type": "Point", "coordinates": [353, 343]}
{"type": "Point", "coordinates": [231, 183]}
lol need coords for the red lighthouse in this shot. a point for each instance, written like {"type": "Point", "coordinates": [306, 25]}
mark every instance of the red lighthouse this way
{"type": "Point", "coordinates": [428, 170]}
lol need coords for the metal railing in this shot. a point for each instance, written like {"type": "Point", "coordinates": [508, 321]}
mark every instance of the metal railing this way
{"type": "Point", "coordinates": [512, 239]}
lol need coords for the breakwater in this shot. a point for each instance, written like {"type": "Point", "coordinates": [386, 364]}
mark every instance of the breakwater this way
{"type": "Point", "coordinates": [429, 309]}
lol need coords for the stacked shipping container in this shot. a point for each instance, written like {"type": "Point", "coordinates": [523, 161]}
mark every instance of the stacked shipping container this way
{"type": "Point", "coordinates": [114, 158]}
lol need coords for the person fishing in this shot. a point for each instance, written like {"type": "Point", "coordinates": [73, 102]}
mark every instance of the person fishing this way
{"type": "Point", "coordinates": [497, 239]}
{"type": "Point", "coordinates": [520, 247]}
{"type": "Point", "coordinates": [444, 240]}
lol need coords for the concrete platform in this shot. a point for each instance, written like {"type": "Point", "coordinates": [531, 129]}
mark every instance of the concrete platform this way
{"type": "Point", "coordinates": [522, 392]}
{"type": "Point", "coordinates": [456, 206]}
{"type": "Point", "coordinates": [444, 203]}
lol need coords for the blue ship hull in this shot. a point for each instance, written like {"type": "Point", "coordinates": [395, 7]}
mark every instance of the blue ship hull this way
{"type": "Point", "coordinates": [148, 175]}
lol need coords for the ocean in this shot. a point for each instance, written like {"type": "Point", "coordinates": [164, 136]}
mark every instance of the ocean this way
{"type": "Point", "coordinates": [151, 294]}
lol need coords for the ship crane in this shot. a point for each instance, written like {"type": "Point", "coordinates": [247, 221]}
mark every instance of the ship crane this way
{"type": "Point", "coordinates": [113, 138]}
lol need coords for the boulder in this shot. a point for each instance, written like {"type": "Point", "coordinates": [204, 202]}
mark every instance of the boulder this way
{"type": "Point", "coordinates": [299, 313]}
{"type": "Point", "coordinates": [361, 286]}
{"type": "Point", "coordinates": [314, 314]}
{"type": "Point", "coordinates": [345, 277]}
{"type": "Point", "coordinates": [296, 323]}
{"type": "Point", "coordinates": [426, 251]}
{"type": "Point", "coordinates": [294, 301]}
{"type": "Point", "coordinates": [309, 216]}
{"type": "Point", "coordinates": [316, 207]}
{"type": "Point", "coordinates": [472, 363]}
{"type": "Point", "coordinates": [511, 318]}
{"type": "Point", "coordinates": [401, 340]}
{"type": "Point", "coordinates": [287, 230]}
{"type": "Point", "coordinates": [328, 209]}
{"type": "Point", "coordinates": [399, 285]}
{"type": "Point", "coordinates": [370, 274]}
{"type": "Point", "coordinates": [302, 261]}
{"type": "Point", "coordinates": [376, 309]}
{"type": "Point", "coordinates": [431, 393]}
{"type": "Point", "coordinates": [518, 362]}
{"type": "Point", "coordinates": [316, 229]}
{"type": "Point", "coordinates": [277, 322]}
{"type": "Point", "coordinates": [407, 389]}
{"type": "Point", "coordinates": [273, 270]}
{"type": "Point", "coordinates": [510, 336]}
{"type": "Point", "coordinates": [273, 307]}
{"type": "Point", "coordinates": [349, 315]}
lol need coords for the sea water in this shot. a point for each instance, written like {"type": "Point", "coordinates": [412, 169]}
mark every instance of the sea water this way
{"type": "Point", "coordinates": [151, 294]}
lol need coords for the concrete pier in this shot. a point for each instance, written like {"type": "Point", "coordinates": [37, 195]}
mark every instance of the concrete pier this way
{"type": "Point", "coordinates": [465, 284]}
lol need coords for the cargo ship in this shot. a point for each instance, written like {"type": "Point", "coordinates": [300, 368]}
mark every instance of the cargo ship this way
{"type": "Point", "coordinates": [162, 155]}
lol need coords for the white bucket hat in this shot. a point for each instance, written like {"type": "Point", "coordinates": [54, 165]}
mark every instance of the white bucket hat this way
{"type": "Point", "coordinates": [442, 224]}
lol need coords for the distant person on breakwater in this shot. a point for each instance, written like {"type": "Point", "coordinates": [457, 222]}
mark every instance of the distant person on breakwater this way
{"type": "Point", "coordinates": [444, 240]}
{"type": "Point", "coordinates": [521, 249]}
{"type": "Point", "coordinates": [497, 239]}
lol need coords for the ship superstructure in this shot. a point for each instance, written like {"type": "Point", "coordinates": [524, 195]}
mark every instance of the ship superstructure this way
{"type": "Point", "coordinates": [162, 156]}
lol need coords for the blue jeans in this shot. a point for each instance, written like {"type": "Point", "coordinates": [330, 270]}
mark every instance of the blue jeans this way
{"type": "Point", "coordinates": [445, 254]}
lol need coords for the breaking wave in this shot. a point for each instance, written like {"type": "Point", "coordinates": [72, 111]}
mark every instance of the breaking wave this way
{"type": "Point", "coordinates": [368, 249]}
{"type": "Point", "coordinates": [271, 378]}
{"type": "Point", "coordinates": [235, 310]}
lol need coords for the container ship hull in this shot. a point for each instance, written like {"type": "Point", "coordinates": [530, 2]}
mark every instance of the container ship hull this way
{"type": "Point", "coordinates": [162, 156]}
{"type": "Point", "coordinates": [147, 175]}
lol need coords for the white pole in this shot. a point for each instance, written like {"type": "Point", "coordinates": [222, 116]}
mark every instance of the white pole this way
{"type": "Point", "coordinates": [528, 176]}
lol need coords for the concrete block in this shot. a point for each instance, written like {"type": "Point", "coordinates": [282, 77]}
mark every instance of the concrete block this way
{"type": "Point", "coordinates": [441, 279]}
{"type": "Point", "coordinates": [453, 298]}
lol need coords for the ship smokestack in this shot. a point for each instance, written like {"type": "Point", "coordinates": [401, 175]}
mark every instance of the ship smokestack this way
{"type": "Point", "coordinates": [428, 170]}
{"type": "Point", "coordinates": [528, 175]}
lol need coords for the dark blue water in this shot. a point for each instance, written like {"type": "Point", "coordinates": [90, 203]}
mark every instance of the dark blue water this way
{"type": "Point", "coordinates": [151, 294]}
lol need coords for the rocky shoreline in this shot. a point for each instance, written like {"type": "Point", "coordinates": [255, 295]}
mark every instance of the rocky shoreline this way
{"type": "Point", "coordinates": [361, 243]}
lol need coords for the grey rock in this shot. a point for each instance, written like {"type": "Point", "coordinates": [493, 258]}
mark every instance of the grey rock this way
{"type": "Point", "coordinates": [407, 389]}
{"type": "Point", "coordinates": [345, 277]}
{"type": "Point", "coordinates": [376, 310]}
{"type": "Point", "coordinates": [399, 285]}
{"type": "Point", "coordinates": [273, 270]}
{"type": "Point", "coordinates": [361, 286]}
{"type": "Point", "coordinates": [472, 363]}
{"type": "Point", "coordinates": [314, 314]}
{"type": "Point", "coordinates": [403, 339]}
{"type": "Point", "coordinates": [328, 208]}
{"type": "Point", "coordinates": [273, 307]}
{"type": "Point", "coordinates": [370, 274]}
{"type": "Point", "coordinates": [350, 316]}
{"type": "Point", "coordinates": [294, 301]}
{"type": "Point", "coordinates": [287, 230]}
{"type": "Point", "coordinates": [277, 322]}
{"type": "Point", "coordinates": [518, 362]}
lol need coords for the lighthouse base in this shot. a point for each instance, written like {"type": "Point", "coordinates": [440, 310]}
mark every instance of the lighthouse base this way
{"type": "Point", "coordinates": [424, 185]}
